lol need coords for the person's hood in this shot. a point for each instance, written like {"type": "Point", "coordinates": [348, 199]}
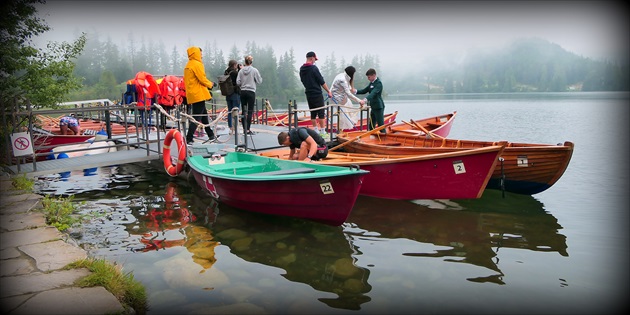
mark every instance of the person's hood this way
{"type": "Point", "coordinates": [246, 70]}
{"type": "Point", "coordinates": [307, 64]}
{"type": "Point", "coordinates": [194, 53]}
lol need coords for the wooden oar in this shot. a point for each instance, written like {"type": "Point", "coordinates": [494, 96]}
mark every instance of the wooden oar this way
{"type": "Point", "coordinates": [427, 132]}
{"type": "Point", "coordinates": [373, 131]}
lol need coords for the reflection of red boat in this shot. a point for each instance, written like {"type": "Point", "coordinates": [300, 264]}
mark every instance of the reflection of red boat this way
{"type": "Point", "coordinates": [327, 263]}
{"type": "Point", "coordinates": [469, 231]}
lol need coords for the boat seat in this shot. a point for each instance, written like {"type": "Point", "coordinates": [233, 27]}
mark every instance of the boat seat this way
{"type": "Point", "coordinates": [289, 171]}
{"type": "Point", "coordinates": [434, 125]}
{"type": "Point", "coordinates": [389, 143]}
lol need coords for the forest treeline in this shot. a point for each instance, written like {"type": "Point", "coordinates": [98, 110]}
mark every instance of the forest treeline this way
{"type": "Point", "coordinates": [526, 65]}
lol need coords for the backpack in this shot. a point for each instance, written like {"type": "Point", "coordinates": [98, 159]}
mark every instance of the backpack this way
{"type": "Point", "coordinates": [130, 96]}
{"type": "Point", "coordinates": [226, 85]}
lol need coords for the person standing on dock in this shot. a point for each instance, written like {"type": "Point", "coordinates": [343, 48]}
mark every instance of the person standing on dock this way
{"type": "Point", "coordinates": [247, 80]}
{"type": "Point", "coordinates": [377, 107]}
{"type": "Point", "coordinates": [197, 92]}
{"type": "Point", "coordinates": [311, 145]}
{"type": "Point", "coordinates": [233, 100]}
{"type": "Point", "coordinates": [313, 82]}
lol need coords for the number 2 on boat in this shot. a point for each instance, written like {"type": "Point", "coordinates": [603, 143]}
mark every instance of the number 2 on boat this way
{"type": "Point", "coordinates": [459, 167]}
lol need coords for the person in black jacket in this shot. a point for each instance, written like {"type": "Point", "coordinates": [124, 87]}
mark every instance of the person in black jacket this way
{"type": "Point", "coordinates": [310, 144]}
{"type": "Point", "coordinates": [233, 100]}
{"type": "Point", "coordinates": [313, 82]}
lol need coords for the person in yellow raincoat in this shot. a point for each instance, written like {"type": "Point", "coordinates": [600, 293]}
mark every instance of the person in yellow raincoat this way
{"type": "Point", "coordinates": [197, 93]}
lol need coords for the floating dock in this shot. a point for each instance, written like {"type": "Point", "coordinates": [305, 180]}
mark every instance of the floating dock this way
{"type": "Point", "coordinates": [141, 150]}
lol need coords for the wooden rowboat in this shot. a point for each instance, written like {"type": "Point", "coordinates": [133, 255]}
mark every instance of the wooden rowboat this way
{"type": "Point", "coordinates": [451, 175]}
{"type": "Point", "coordinates": [88, 126]}
{"type": "Point", "coordinates": [256, 183]}
{"type": "Point", "coordinates": [305, 121]}
{"type": "Point", "coordinates": [436, 126]}
{"type": "Point", "coordinates": [524, 168]}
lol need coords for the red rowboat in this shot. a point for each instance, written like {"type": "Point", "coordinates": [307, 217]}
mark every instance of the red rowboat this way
{"type": "Point", "coordinates": [453, 175]}
{"type": "Point", "coordinates": [525, 168]}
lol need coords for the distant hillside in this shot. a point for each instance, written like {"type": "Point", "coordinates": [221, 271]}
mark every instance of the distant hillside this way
{"type": "Point", "coordinates": [526, 65]}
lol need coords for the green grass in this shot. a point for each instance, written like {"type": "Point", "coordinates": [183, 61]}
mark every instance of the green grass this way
{"type": "Point", "coordinates": [122, 285]}
{"type": "Point", "coordinates": [60, 212]}
{"type": "Point", "coordinates": [22, 183]}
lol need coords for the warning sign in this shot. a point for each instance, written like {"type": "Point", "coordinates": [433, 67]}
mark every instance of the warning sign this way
{"type": "Point", "coordinates": [22, 144]}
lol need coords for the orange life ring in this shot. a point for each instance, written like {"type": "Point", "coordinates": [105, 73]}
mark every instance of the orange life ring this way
{"type": "Point", "coordinates": [171, 169]}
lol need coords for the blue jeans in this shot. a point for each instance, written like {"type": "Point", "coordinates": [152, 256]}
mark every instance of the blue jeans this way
{"type": "Point", "coordinates": [233, 101]}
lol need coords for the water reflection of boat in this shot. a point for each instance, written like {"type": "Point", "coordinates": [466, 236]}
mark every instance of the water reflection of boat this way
{"type": "Point", "coordinates": [318, 255]}
{"type": "Point", "coordinates": [470, 231]}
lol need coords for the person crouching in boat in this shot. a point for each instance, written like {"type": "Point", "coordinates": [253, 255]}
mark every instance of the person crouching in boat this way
{"type": "Point", "coordinates": [69, 125]}
{"type": "Point", "coordinates": [311, 146]}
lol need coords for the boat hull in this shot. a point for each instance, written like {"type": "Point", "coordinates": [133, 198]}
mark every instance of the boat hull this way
{"type": "Point", "coordinates": [526, 168]}
{"type": "Point", "coordinates": [454, 175]}
{"type": "Point", "coordinates": [323, 198]}
{"type": "Point", "coordinates": [85, 148]}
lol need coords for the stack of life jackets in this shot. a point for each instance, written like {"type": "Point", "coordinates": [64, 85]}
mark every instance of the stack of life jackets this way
{"type": "Point", "coordinates": [146, 88]}
{"type": "Point", "coordinates": [169, 91]}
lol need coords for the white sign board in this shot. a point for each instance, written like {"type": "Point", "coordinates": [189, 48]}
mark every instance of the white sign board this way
{"type": "Point", "coordinates": [22, 144]}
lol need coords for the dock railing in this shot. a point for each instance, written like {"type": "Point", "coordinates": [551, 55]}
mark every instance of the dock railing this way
{"type": "Point", "coordinates": [109, 113]}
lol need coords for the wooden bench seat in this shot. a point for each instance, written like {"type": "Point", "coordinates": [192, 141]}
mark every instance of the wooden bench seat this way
{"type": "Point", "coordinates": [297, 170]}
{"type": "Point", "coordinates": [388, 143]}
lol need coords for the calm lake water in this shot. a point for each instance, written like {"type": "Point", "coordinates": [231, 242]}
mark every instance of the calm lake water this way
{"type": "Point", "coordinates": [563, 251]}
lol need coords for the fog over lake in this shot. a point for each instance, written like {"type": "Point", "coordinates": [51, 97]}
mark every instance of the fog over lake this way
{"type": "Point", "coordinates": [401, 34]}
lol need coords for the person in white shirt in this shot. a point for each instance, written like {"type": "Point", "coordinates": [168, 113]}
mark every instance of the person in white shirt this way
{"type": "Point", "coordinates": [343, 91]}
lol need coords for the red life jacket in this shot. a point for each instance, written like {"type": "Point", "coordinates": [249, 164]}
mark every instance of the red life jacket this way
{"type": "Point", "coordinates": [182, 90]}
{"type": "Point", "coordinates": [146, 86]}
{"type": "Point", "coordinates": [169, 91]}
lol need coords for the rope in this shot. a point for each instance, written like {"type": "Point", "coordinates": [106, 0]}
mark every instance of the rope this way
{"type": "Point", "coordinates": [349, 109]}
{"type": "Point", "coordinates": [270, 109]}
{"type": "Point", "coordinates": [192, 119]}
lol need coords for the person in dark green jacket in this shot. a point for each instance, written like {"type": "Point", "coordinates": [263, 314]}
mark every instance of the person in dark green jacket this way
{"type": "Point", "coordinates": [377, 107]}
